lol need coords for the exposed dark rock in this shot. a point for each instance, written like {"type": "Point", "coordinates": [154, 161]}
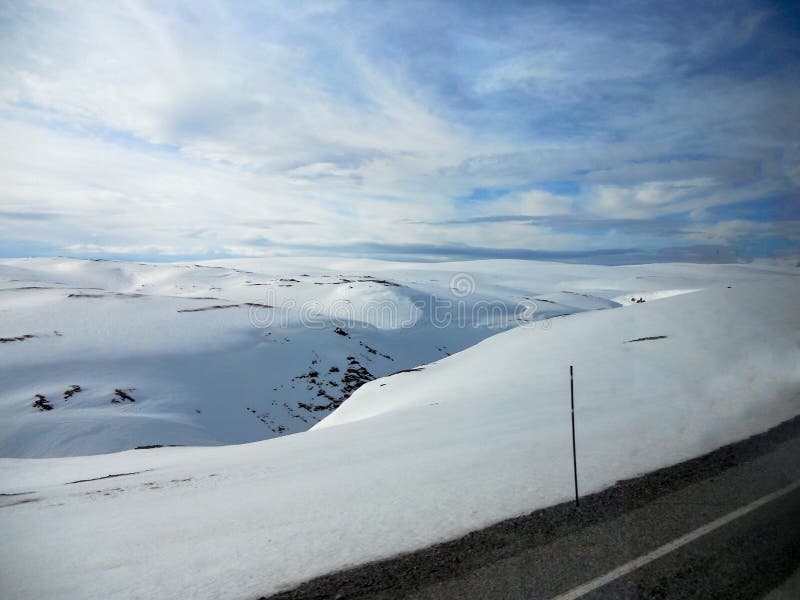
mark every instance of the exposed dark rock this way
{"type": "Point", "coordinates": [221, 306]}
{"type": "Point", "coordinates": [107, 477]}
{"type": "Point", "coordinates": [354, 377]}
{"type": "Point", "coordinates": [41, 403]}
{"type": "Point", "coordinates": [153, 446]}
{"type": "Point", "coordinates": [372, 350]}
{"type": "Point", "coordinates": [644, 339]}
{"type": "Point", "coordinates": [215, 307]}
{"type": "Point", "coordinates": [407, 371]}
{"type": "Point", "coordinates": [19, 338]}
{"type": "Point", "coordinates": [71, 391]}
{"type": "Point", "coordinates": [123, 396]}
{"type": "Point", "coordinates": [344, 280]}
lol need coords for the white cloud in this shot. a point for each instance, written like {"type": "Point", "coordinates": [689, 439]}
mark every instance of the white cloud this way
{"type": "Point", "coordinates": [181, 127]}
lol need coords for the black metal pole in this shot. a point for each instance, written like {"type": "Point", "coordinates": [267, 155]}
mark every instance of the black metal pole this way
{"type": "Point", "coordinates": [574, 456]}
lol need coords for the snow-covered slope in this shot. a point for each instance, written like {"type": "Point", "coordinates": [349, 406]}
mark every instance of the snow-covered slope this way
{"type": "Point", "coordinates": [105, 356]}
{"type": "Point", "coordinates": [128, 354]}
{"type": "Point", "coordinates": [420, 456]}
{"type": "Point", "coordinates": [654, 359]}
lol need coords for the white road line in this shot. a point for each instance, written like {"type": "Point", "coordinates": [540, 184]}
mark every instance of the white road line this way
{"type": "Point", "coordinates": [674, 544]}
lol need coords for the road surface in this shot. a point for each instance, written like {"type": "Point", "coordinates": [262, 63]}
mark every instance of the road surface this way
{"type": "Point", "coordinates": [724, 525]}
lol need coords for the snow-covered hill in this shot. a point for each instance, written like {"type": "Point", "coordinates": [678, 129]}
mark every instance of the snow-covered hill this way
{"type": "Point", "coordinates": [106, 356]}
{"type": "Point", "coordinates": [101, 356]}
{"type": "Point", "coordinates": [423, 455]}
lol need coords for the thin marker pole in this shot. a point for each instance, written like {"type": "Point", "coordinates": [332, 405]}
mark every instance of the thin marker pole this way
{"type": "Point", "coordinates": [574, 455]}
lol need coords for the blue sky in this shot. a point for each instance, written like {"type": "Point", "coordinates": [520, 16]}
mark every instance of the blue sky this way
{"type": "Point", "coordinates": [594, 132]}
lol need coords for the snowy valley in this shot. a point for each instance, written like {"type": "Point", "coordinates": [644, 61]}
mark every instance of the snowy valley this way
{"type": "Point", "coordinates": [106, 356]}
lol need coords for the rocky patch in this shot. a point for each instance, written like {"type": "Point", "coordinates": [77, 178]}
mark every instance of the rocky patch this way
{"type": "Point", "coordinates": [18, 502]}
{"type": "Point", "coordinates": [41, 403]}
{"type": "Point", "coordinates": [372, 350]}
{"type": "Point", "coordinates": [123, 396]}
{"type": "Point", "coordinates": [267, 419]}
{"type": "Point", "coordinates": [71, 391]}
{"type": "Point", "coordinates": [415, 369]}
{"type": "Point", "coordinates": [205, 308]}
{"type": "Point", "coordinates": [106, 477]}
{"type": "Point", "coordinates": [355, 376]}
{"type": "Point", "coordinates": [19, 338]}
{"type": "Point", "coordinates": [645, 339]}
{"type": "Point", "coordinates": [366, 279]}
{"type": "Point", "coordinates": [222, 306]}
{"type": "Point", "coordinates": [329, 392]}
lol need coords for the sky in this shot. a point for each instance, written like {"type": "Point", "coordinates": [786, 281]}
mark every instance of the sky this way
{"type": "Point", "coordinates": [610, 133]}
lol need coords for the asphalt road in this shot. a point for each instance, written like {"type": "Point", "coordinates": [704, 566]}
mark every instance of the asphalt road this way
{"type": "Point", "coordinates": [725, 525]}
